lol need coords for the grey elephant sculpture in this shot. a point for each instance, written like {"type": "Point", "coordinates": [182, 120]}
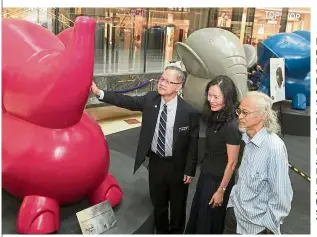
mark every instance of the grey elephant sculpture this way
{"type": "Point", "coordinates": [210, 52]}
{"type": "Point", "coordinates": [251, 55]}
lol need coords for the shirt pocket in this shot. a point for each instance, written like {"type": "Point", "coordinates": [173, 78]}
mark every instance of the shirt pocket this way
{"type": "Point", "coordinates": [256, 181]}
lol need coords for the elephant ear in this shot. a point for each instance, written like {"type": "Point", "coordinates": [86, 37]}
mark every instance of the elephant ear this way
{"type": "Point", "coordinates": [193, 63]}
{"type": "Point", "coordinates": [251, 55]}
{"type": "Point", "coordinates": [66, 35]}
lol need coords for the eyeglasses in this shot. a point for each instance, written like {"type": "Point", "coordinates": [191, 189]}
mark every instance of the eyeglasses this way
{"type": "Point", "coordinates": [244, 112]}
{"type": "Point", "coordinates": [168, 82]}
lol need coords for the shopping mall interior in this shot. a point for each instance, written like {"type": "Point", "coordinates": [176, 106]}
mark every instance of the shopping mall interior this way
{"type": "Point", "coordinates": [141, 40]}
{"type": "Point", "coordinates": [132, 46]}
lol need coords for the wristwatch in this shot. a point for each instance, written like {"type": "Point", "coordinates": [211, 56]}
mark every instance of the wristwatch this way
{"type": "Point", "coordinates": [222, 189]}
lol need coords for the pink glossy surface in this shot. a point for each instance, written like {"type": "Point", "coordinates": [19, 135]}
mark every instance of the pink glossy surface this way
{"type": "Point", "coordinates": [109, 190]}
{"type": "Point", "coordinates": [38, 215]}
{"type": "Point", "coordinates": [50, 147]}
{"type": "Point", "coordinates": [44, 82]}
{"type": "Point", "coordinates": [63, 164]}
{"type": "Point", "coordinates": [66, 35]}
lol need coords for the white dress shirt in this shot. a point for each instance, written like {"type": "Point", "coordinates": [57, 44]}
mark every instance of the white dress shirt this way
{"type": "Point", "coordinates": [102, 94]}
{"type": "Point", "coordinates": [171, 113]}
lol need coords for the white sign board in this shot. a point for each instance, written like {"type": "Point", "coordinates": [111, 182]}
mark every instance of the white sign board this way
{"type": "Point", "coordinates": [277, 79]}
{"type": "Point", "coordinates": [97, 219]}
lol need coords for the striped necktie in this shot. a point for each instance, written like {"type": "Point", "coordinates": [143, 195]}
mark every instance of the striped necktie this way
{"type": "Point", "coordinates": [162, 133]}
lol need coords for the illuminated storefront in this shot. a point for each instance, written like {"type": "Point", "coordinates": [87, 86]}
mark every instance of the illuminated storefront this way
{"type": "Point", "coordinates": [267, 22]}
{"type": "Point", "coordinates": [298, 19]}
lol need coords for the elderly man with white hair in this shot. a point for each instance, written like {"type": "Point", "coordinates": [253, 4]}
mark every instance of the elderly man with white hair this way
{"type": "Point", "coordinates": [262, 197]}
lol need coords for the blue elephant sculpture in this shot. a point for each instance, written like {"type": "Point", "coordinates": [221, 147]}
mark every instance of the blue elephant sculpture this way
{"type": "Point", "coordinates": [295, 49]}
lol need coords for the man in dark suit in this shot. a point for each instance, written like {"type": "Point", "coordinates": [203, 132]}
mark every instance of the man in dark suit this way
{"type": "Point", "coordinates": [169, 137]}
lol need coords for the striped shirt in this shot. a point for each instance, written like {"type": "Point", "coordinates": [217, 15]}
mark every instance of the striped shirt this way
{"type": "Point", "coordinates": [171, 114]}
{"type": "Point", "coordinates": [263, 194]}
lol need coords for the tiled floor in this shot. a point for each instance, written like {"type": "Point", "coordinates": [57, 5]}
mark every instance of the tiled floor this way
{"type": "Point", "coordinates": [298, 222]}
{"type": "Point", "coordinates": [120, 124]}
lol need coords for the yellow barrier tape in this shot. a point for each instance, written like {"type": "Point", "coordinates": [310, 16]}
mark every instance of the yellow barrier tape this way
{"type": "Point", "coordinates": [299, 172]}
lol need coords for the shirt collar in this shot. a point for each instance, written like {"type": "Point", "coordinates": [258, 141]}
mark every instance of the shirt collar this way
{"type": "Point", "coordinates": [257, 139]}
{"type": "Point", "coordinates": [172, 103]}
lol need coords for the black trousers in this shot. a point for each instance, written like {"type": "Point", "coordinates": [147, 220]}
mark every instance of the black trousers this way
{"type": "Point", "coordinates": [231, 224]}
{"type": "Point", "coordinates": [168, 195]}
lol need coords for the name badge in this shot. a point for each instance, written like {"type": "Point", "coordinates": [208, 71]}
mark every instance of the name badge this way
{"type": "Point", "coordinates": [182, 129]}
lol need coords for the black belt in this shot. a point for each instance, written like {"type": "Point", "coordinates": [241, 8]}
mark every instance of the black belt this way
{"type": "Point", "coordinates": [152, 153]}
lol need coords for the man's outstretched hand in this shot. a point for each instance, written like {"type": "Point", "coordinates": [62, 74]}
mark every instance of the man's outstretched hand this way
{"type": "Point", "coordinates": [95, 89]}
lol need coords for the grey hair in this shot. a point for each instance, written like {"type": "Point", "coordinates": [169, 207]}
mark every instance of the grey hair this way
{"type": "Point", "coordinates": [180, 73]}
{"type": "Point", "coordinates": [264, 104]}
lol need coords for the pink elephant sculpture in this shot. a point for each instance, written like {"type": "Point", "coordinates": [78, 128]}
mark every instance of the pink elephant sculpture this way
{"type": "Point", "coordinates": [53, 152]}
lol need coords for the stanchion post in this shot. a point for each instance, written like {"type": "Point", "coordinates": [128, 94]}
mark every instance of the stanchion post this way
{"type": "Point", "coordinates": [281, 117]}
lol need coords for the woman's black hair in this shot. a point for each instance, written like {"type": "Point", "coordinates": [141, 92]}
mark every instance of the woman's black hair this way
{"type": "Point", "coordinates": [230, 95]}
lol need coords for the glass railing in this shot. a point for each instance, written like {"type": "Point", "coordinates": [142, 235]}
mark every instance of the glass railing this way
{"type": "Point", "coordinates": [45, 17]}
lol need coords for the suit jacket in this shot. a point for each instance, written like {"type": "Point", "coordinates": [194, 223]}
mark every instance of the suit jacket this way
{"type": "Point", "coordinates": [185, 141]}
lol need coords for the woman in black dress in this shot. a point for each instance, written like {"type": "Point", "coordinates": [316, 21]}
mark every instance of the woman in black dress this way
{"type": "Point", "coordinates": [220, 159]}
